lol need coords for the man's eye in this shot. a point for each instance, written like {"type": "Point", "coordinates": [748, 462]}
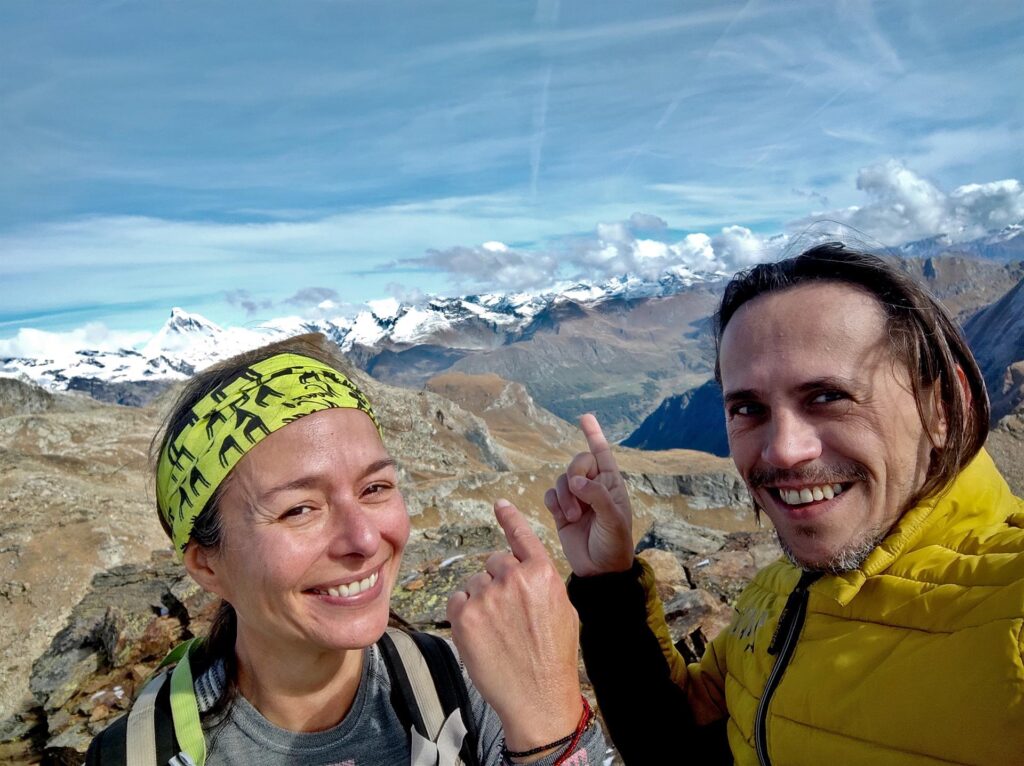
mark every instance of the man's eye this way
{"type": "Point", "coordinates": [745, 410]}
{"type": "Point", "coordinates": [299, 510]}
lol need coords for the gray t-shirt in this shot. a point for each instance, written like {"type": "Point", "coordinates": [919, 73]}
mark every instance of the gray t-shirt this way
{"type": "Point", "coordinates": [371, 733]}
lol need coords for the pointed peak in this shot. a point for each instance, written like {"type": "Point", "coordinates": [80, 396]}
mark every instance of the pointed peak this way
{"type": "Point", "coordinates": [181, 320]}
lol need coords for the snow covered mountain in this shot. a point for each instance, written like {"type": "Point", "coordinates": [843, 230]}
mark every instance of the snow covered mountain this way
{"type": "Point", "coordinates": [616, 348]}
{"type": "Point", "coordinates": [188, 342]}
{"type": "Point", "coordinates": [1006, 244]}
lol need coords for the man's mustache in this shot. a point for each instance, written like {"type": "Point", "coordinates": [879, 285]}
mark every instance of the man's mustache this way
{"type": "Point", "coordinates": [834, 473]}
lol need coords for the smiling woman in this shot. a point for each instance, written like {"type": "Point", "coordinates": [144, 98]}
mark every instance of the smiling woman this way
{"type": "Point", "coordinates": [274, 484]}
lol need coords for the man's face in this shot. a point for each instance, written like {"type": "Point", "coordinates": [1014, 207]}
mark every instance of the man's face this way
{"type": "Point", "coordinates": [822, 420]}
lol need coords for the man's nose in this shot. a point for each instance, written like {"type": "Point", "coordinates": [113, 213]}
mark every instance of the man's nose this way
{"type": "Point", "coordinates": [353, 531]}
{"type": "Point", "coordinates": [790, 440]}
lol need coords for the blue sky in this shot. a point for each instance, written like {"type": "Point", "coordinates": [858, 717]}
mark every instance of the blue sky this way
{"type": "Point", "coordinates": [246, 160]}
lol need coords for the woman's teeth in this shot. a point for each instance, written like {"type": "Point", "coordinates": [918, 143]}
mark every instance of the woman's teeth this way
{"type": "Point", "coordinates": [809, 494]}
{"type": "Point", "coordinates": [352, 588]}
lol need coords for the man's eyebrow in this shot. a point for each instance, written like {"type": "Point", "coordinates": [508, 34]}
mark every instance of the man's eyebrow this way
{"type": "Point", "coordinates": [743, 394]}
{"type": "Point", "coordinates": [829, 381]}
{"type": "Point", "coordinates": [817, 384]}
{"type": "Point", "coordinates": [312, 480]}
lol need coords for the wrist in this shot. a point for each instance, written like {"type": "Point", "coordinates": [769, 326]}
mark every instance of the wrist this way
{"type": "Point", "coordinates": [564, 746]}
{"type": "Point", "coordinates": [539, 727]}
{"type": "Point", "coordinates": [592, 595]}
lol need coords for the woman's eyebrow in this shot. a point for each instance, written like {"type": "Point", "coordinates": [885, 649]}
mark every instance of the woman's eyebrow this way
{"type": "Point", "coordinates": [312, 480]}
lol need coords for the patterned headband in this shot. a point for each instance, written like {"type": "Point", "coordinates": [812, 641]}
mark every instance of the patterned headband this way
{"type": "Point", "coordinates": [231, 420]}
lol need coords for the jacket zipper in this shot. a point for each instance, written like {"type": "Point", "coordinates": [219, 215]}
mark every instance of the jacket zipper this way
{"type": "Point", "coordinates": [791, 621]}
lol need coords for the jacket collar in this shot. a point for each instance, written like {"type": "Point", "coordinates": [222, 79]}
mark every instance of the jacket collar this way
{"type": "Point", "coordinates": [976, 492]}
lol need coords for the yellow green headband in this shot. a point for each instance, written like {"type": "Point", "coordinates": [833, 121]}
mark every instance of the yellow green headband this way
{"type": "Point", "coordinates": [231, 420]}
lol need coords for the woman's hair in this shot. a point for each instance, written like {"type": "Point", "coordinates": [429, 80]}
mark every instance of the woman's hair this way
{"type": "Point", "coordinates": [921, 335]}
{"type": "Point", "coordinates": [207, 530]}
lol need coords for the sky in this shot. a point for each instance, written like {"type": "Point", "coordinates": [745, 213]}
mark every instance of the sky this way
{"type": "Point", "coordinates": [248, 160]}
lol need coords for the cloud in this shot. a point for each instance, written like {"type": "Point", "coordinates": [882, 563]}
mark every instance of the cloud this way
{"type": "Point", "coordinates": [313, 296]}
{"type": "Point", "coordinates": [903, 206]}
{"type": "Point", "coordinates": [624, 247]}
{"type": "Point", "coordinates": [492, 265]}
{"type": "Point", "coordinates": [243, 299]}
{"type": "Point", "coordinates": [40, 344]}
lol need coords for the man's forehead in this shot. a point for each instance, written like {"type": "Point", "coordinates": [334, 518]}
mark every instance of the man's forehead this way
{"type": "Point", "coordinates": [822, 328]}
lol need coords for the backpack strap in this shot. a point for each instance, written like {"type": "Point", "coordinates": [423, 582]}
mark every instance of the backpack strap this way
{"type": "Point", "coordinates": [166, 713]}
{"type": "Point", "coordinates": [428, 690]}
{"type": "Point", "coordinates": [140, 749]}
{"type": "Point", "coordinates": [450, 684]}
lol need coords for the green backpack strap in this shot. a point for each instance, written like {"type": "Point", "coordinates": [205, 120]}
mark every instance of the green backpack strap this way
{"type": "Point", "coordinates": [188, 730]}
{"type": "Point", "coordinates": [184, 707]}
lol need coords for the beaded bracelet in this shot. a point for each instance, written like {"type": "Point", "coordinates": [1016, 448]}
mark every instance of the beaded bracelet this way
{"type": "Point", "coordinates": [572, 739]}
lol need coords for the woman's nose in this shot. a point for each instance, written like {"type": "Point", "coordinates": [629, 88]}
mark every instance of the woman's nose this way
{"type": "Point", "coordinates": [353, 531]}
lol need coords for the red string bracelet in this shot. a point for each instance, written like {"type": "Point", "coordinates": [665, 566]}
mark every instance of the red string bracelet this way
{"type": "Point", "coordinates": [581, 727]}
{"type": "Point", "coordinates": [572, 739]}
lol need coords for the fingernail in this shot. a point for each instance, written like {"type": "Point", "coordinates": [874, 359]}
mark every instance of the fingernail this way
{"type": "Point", "coordinates": [501, 503]}
{"type": "Point", "coordinates": [577, 483]}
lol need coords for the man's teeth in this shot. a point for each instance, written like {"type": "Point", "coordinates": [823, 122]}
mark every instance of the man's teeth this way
{"type": "Point", "coordinates": [809, 494]}
{"type": "Point", "coordinates": [352, 588]}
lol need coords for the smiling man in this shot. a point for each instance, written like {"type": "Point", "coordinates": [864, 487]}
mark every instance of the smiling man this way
{"type": "Point", "coordinates": [892, 632]}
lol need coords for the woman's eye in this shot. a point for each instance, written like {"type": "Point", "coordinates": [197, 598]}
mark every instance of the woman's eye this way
{"type": "Point", "coordinates": [299, 510]}
{"type": "Point", "coordinates": [828, 396]}
{"type": "Point", "coordinates": [376, 489]}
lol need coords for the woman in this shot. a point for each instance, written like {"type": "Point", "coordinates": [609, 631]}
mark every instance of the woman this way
{"type": "Point", "coordinates": [277, 492]}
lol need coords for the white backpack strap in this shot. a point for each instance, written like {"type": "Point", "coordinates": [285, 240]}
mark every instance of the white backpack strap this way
{"type": "Point", "coordinates": [445, 749]}
{"type": "Point", "coordinates": [445, 736]}
{"type": "Point", "coordinates": [140, 749]}
{"type": "Point", "coordinates": [420, 680]}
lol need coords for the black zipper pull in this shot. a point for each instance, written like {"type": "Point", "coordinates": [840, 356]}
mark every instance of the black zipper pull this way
{"type": "Point", "coordinates": [795, 604]}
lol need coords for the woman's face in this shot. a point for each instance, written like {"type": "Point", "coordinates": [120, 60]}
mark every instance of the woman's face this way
{"type": "Point", "coordinates": [313, 532]}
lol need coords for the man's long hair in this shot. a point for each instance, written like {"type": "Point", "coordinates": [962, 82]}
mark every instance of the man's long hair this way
{"type": "Point", "coordinates": [921, 335]}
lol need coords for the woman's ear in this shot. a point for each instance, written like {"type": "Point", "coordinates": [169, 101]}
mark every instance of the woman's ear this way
{"type": "Point", "coordinates": [202, 565]}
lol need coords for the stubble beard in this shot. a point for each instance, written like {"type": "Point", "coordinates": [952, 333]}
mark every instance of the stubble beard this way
{"type": "Point", "coordinates": [846, 559]}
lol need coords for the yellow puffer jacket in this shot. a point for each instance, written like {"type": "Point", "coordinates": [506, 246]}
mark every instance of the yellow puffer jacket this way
{"type": "Point", "coordinates": [915, 658]}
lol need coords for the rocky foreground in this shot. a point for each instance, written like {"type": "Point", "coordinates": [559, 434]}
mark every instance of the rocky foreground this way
{"type": "Point", "coordinates": [135, 613]}
{"type": "Point", "coordinates": [89, 607]}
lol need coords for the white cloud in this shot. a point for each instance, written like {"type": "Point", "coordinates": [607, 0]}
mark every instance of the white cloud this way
{"type": "Point", "coordinates": [903, 206]}
{"type": "Point", "coordinates": [737, 247]}
{"type": "Point", "coordinates": [492, 265]}
{"type": "Point", "coordinates": [96, 336]}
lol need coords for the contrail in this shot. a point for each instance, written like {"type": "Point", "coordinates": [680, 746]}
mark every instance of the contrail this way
{"type": "Point", "coordinates": [540, 118]}
{"type": "Point", "coordinates": [681, 93]}
{"type": "Point", "coordinates": [545, 16]}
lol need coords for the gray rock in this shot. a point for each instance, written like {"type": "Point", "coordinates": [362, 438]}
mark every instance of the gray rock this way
{"type": "Point", "coordinates": [681, 538]}
{"type": "Point", "coordinates": [701, 490]}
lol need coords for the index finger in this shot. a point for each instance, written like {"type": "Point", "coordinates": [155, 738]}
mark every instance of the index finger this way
{"type": "Point", "coordinates": [524, 543]}
{"type": "Point", "coordinates": [598, 444]}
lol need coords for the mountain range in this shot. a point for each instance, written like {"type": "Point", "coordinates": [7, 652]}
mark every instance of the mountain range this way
{"type": "Point", "coordinates": [617, 348]}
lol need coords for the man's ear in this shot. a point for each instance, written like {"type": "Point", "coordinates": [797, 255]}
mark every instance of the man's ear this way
{"type": "Point", "coordinates": [202, 564]}
{"type": "Point", "coordinates": [939, 428]}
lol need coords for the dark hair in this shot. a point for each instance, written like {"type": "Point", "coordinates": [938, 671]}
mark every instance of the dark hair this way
{"type": "Point", "coordinates": [207, 530]}
{"type": "Point", "coordinates": [921, 335]}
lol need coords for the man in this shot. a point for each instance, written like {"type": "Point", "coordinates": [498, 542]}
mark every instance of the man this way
{"type": "Point", "coordinates": [892, 632]}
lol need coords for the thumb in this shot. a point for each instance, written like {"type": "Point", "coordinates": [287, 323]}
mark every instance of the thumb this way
{"type": "Point", "coordinates": [594, 494]}
{"type": "Point", "coordinates": [524, 543]}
